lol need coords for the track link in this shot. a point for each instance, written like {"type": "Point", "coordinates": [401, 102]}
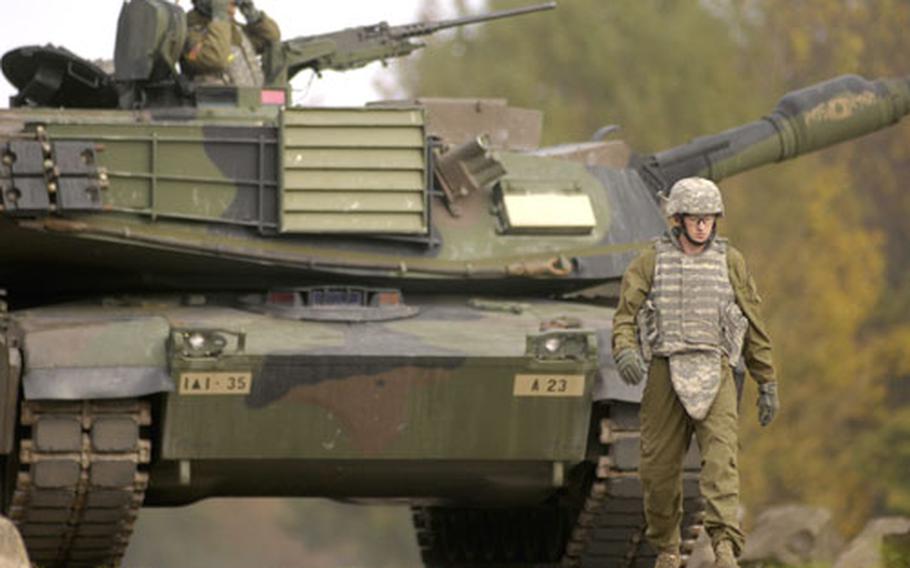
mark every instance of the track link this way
{"type": "Point", "coordinates": [605, 528]}
{"type": "Point", "coordinates": [81, 480]}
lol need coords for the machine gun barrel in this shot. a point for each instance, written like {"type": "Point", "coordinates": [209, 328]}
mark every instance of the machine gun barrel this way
{"type": "Point", "coordinates": [806, 120]}
{"type": "Point", "coordinates": [355, 47]}
{"type": "Point", "coordinates": [427, 28]}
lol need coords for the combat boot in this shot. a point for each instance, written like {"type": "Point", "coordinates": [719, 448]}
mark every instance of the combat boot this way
{"type": "Point", "coordinates": [668, 560]}
{"type": "Point", "coordinates": [724, 556]}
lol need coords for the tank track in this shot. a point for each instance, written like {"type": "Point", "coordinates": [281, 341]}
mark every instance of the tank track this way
{"type": "Point", "coordinates": [604, 529]}
{"type": "Point", "coordinates": [610, 529]}
{"type": "Point", "coordinates": [80, 480]}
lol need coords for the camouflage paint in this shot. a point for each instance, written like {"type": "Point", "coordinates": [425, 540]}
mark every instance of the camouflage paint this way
{"type": "Point", "coordinates": [804, 121]}
{"type": "Point", "coordinates": [200, 178]}
{"type": "Point", "coordinates": [389, 408]}
{"type": "Point", "coordinates": [73, 355]}
{"type": "Point", "coordinates": [409, 388]}
{"type": "Point", "coordinates": [399, 392]}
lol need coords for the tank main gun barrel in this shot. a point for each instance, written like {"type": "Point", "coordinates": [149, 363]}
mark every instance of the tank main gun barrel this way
{"type": "Point", "coordinates": [806, 120]}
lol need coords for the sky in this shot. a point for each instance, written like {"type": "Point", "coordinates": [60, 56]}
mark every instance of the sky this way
{"type": "Point", "coordinates": [89, 29]}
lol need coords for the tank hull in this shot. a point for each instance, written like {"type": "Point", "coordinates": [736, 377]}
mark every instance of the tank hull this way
{"type": "Point", "coordinates": [322, 402]}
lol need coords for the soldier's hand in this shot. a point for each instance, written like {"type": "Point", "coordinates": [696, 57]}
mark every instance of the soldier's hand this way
{"type": "Point", "coordinates": [631, 367]}
{"type": "Point", "coordinates": [250, 13]}
{"type": "Point", "coordinates": [768, 404]}
{"type": "Point", "coordinates": [220, 9]}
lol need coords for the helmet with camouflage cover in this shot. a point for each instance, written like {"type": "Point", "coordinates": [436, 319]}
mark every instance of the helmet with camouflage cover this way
{"type": "Point", "coordinates": [694, 196]}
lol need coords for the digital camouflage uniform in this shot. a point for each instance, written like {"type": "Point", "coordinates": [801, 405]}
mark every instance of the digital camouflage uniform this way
{"type": "Point", "coordinates": [222, 52]}
{"type": "Point", "coordinates": [691, 315]}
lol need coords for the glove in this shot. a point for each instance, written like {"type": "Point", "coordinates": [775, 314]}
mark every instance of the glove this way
{"type": "Point", "coordinates": [631, 368]}
{"type": "Point", "coordinates": [768, 404]}
{"type": "Point", "coordinates": [220, 9]}
{"type": "Point", "coordinates": [250, 13]}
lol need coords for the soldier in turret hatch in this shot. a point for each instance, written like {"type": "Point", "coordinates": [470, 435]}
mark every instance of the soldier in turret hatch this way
{"type": "Point", "coordinates": [219, 51]}
{"type": "Point", "coordinates": [688, 311]}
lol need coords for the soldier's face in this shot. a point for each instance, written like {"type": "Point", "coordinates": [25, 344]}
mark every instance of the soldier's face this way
{"type": "Point", "coordinates": [232, 9]}
{"type": "Point", "coordinates": [699, 227]}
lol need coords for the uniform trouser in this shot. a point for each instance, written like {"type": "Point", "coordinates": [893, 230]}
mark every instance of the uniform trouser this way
{"type": "Point", "coordinates": [666, 430]}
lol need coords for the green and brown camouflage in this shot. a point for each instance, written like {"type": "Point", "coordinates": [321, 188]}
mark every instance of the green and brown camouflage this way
{"type": "Point", "coordinates": [218, 294]}
{"type": "Point", "coordinates": [340, 395]}
{"type": "Point", "coordinates": [276, 194]}
{"type": "Point", "coordinates": [804, 121]}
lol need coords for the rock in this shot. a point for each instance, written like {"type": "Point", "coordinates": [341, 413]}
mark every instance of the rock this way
{"type": "Point", "coordinates": [792, 535]}
{"type": "Point", "coordinates": [865, 551]}
{"type": "Point", "coordinates": [12, 550]}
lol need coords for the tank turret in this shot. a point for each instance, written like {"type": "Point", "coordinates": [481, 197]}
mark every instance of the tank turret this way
{"type": "Point", "coordinates": [430, 193]}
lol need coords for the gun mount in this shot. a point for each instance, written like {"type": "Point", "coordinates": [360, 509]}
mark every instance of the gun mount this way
{"type": "Point", "coordinates": [150, 38]}
{"type": "Point", "coordinates": [356, 47]}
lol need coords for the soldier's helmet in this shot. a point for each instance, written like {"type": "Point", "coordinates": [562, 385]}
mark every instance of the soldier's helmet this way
{"type": "Point", "coordinates": [694, 196]}
{"type": "Point", "coordinates": [204, 6]}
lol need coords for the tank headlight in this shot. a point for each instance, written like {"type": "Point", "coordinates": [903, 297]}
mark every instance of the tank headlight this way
{"type": "Point", "coordinates": [561, 344]}
{"type": "Point", "coordinates": [552, 344]}
{"type": "Point", "coordinates": [196, 341]}
{"type": "Point", "coordinates": [205, 343]}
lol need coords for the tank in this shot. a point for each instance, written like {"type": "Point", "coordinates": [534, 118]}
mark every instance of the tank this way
{"type": "Point", "coordinates": [215, 293]}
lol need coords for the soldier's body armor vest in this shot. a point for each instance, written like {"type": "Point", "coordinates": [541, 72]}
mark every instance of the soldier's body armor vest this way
{"type": "Point", "coordinates": [691, 317]}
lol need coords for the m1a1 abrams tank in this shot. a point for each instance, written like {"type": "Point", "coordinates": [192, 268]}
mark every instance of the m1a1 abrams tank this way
{"type": "Point", "coordinates": [217, 294]}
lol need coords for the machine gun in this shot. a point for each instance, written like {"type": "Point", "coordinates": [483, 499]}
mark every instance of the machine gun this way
{"type": "Point", "coordinates": [355, 47]}
{"type": "Point", "coordinates": [150, 40]}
